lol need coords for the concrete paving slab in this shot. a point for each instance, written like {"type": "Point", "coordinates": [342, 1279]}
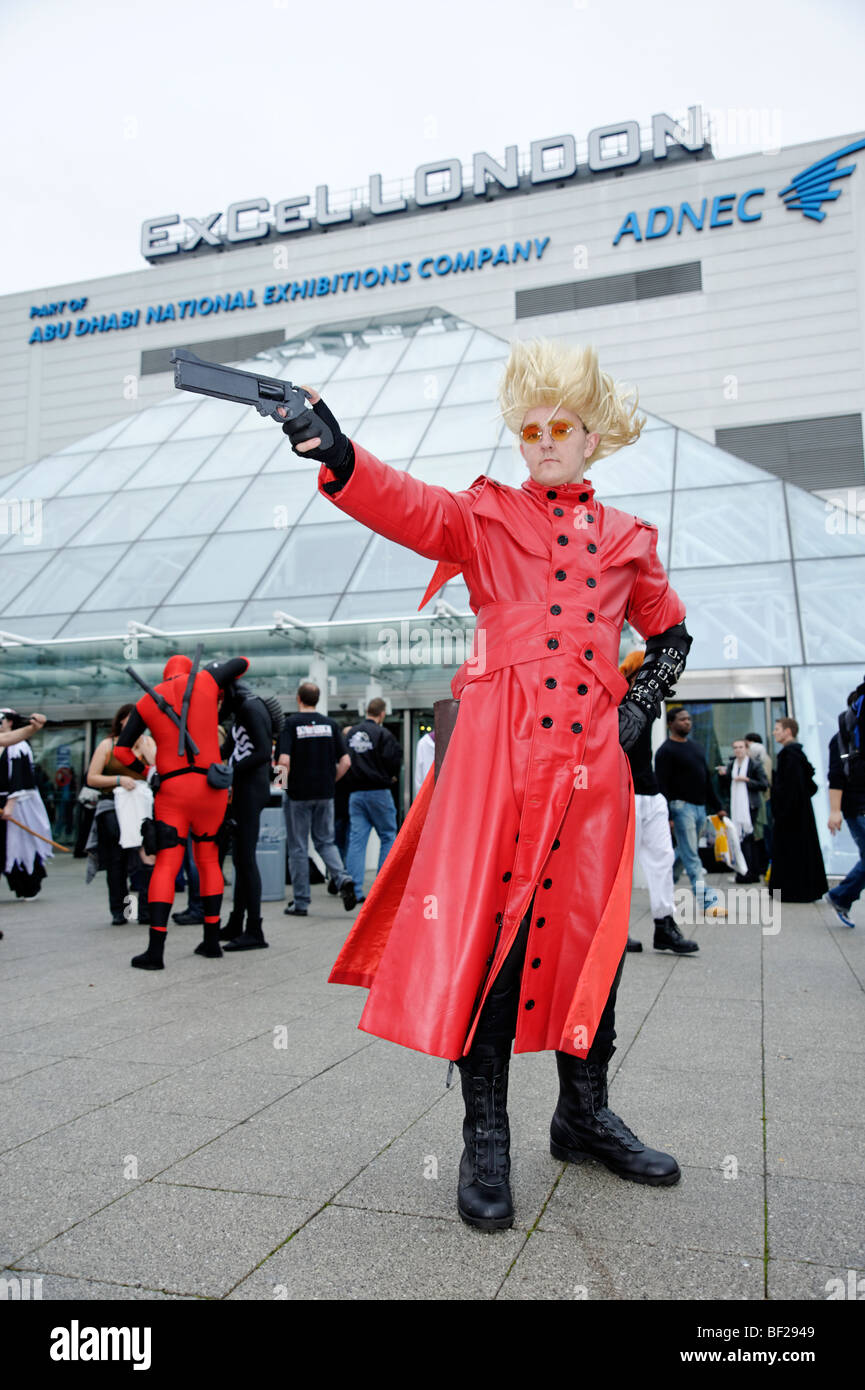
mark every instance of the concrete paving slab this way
{"type": "Point", "coordinates": [30, 1120]}
{"type": "Point", "coordinates": [106, 1140]}
{"type": "Point", "coordinates": [833, 1152]}
{"type": "Point", "coordinates": [180, 1043]}
{"type": "Point", "coordinates": [704, 1122]}
{"type": "Point", "coordinates": [799, 1092]}
{"type": "Point", "coordinates": [728, 980]}
{"type": "Point", "coordinates": [791, 1024]}
{"type": "Point", "coordinates": [713, 1046]}
{"type": "Point", "coordinates": [816, 1221]}
{"type": "Point", "coordinates": [33, 1285]}
{"type": "Point", "coordinates": [796, 1279]}
{"type": "Point", "coordinates": [391, 1257]}
{"type": "Point", "coordinates": [307, 1157]}
{"type": "Point", "coordinates": [14, 1064]}
{"type": "Point", "coordinates": [577, 1267]}
{"type": "Point", "coordinates": [306, 1047]}
{"type": "Point", "coordinates": [88, 1083]}
{"type": "Point", "coordinates": [704, 1211]}
{"type": "Point", "coordinates": [225, 1094]}
{"type": "Point", "coordinates": [39, 1203]}
{"type": "Point", "coordinates": [176, 1239]}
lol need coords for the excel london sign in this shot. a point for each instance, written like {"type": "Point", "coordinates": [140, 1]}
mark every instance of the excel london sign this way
{"type": "Point", "coordinates": [553, 159]}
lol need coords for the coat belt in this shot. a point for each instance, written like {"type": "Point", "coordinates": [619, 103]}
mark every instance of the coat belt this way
{"type": "Point", "coordinates": [535, 648]}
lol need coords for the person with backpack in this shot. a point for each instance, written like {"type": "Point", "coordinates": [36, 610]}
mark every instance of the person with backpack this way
{"type": "Point", "coordinates": [190, 785]}
{"type": "Point", "coordinates": [375, 762]}
{"type": "Point", "coordinates": [798, 874]}
{"type": "Point", "coordinates": [847, 797]}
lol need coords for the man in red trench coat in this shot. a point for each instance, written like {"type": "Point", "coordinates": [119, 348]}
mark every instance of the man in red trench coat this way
{"type": "Point", "coordinates": [503, 908]}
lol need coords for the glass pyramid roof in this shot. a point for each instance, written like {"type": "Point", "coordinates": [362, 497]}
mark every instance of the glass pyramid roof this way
{"type": "Point", "coordinates": [194, 515]}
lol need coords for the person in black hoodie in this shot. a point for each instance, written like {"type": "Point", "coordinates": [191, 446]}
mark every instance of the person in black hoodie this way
{"type": "Point", "coordinates": [251, 758]}
{"type": "Point", "coordinates": [375, 762]}
{"type": "Point", "coordinates": [798, 874]}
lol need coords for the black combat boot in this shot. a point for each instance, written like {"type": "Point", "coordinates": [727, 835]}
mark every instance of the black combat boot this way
{"type": "Point", "coordinates": [583, 1127]}
{"type": "Point", "coordinates": [250, 940]}
{"type": "Point", "coordinates": [669, 938]}
{"type": "Point", "coordinates": [484, 1196]}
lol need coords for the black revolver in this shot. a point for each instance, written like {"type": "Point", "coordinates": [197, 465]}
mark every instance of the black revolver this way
{"type": "Point", "coordinates": [266, 393]}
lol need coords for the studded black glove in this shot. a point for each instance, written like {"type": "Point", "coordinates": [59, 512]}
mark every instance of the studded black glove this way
{"type": "Point", "coordinates": [339, 457]}
{"type": "Point", "coordinates": [662, 666]}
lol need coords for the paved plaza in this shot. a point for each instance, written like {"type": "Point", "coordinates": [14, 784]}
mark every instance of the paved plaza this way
{"type": "Point", "coordinates": [223, 1130]}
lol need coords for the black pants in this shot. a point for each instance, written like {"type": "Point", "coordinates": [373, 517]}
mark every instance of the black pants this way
{"type": "Point", "coordinates": [246, 808]}
{"type": "Point", "coordinates": [497, 1026]}
{"type": "Point", "coordinates": [121, 864]}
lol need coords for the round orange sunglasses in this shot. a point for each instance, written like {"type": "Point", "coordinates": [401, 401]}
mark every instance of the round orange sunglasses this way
{"type": "Point", "coordinates": [559, 431]}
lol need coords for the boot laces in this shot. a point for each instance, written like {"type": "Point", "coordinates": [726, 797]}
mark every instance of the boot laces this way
{"type": "Point", "coordinates": [617, 1129]}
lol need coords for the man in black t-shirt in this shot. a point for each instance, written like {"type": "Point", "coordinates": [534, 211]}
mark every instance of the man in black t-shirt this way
{"type": "Point", "coordinates": [683, 778]}
{"type": "Point", "coordinates": [314, 754]}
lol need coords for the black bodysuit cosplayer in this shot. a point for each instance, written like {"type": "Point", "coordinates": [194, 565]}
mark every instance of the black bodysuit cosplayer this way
{"type": "Point", "coordinates": [251, 757]}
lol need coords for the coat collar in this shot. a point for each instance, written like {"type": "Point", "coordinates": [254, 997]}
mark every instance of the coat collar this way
{"type": "Point", "coordinates": [570, 492]}
{"type": "Point", "coordinates": [527, 527]}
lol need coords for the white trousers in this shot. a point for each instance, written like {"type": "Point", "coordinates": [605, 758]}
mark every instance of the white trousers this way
{"type": "Point", "coordinates": [653, 848]}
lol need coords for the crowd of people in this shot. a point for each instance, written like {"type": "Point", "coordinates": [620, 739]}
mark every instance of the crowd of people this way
{"type": "Point", "coordinates": [340, 780]}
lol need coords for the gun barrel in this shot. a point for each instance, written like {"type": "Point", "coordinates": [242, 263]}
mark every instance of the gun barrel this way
{"type": "Point", "coordinates": [266, 393]}
{"type": "Point", "coordinates": [226, 383]}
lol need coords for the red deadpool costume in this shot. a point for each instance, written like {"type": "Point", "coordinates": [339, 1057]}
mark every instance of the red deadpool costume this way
{"type": "Point", "coordinates": [186, 802]}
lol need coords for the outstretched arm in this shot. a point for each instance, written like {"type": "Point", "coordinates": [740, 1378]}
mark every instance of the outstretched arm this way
{"type": "Point", "coordinates": [37, 722]}
{"type": "Point", "coordinates": [430, 520]}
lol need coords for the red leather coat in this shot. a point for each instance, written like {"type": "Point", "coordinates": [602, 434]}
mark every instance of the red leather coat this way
{"type": "Point", "coordinates": [535, 794]}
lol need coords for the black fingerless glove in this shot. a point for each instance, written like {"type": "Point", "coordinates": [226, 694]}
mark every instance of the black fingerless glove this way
{"type": "Point", "coordinates": [632, 721]}
{"type": "Point", "coordinates": [339, 458]}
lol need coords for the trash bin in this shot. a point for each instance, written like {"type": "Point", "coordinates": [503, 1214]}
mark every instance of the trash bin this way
{"type": "Point", "coordinates": [270, 851]}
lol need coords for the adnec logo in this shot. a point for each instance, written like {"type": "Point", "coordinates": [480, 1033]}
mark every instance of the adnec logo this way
{"type": "Point", "coordinates": [808, 191]}
{"type": "Point", "coordinates": [813, 187]}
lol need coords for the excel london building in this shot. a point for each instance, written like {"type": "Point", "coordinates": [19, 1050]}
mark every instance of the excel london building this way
{"type": "Point", "coordinates": [136, 519]}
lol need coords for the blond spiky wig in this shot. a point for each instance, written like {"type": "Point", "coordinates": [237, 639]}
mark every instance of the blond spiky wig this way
{"type": "Point", "coordinates": [549, 373]}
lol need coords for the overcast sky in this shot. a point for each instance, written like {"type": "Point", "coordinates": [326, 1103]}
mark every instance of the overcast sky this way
{"type": "Point", "coordinates": [115, 111]}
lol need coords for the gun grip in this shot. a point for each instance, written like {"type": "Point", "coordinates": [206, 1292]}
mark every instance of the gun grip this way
{"type": "Point", "coordinates": [316, 429]}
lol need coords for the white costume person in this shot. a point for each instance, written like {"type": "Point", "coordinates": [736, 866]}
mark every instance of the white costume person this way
{"type": "Point", "coordinates": [22, 855]}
